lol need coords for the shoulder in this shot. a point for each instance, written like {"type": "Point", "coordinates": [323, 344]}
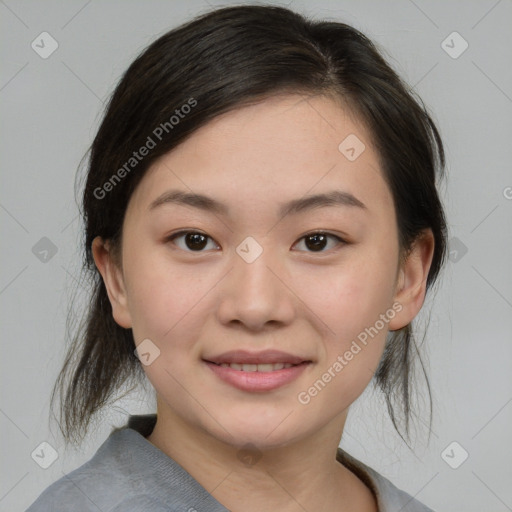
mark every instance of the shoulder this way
{"type": "Point", "coordinates": [389, 497]}
{"type": "Point", "coordinates": [64, 495]}
{"type": "Point", "coordinates": [127, 474]}
{"type": "Point", "coordinates": [394, 498]}
{"type": "Point", "coordinates": [106, 482]}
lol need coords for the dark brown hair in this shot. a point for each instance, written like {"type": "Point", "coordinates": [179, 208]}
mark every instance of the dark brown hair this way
{"type": "Point", "coordinates": [218, 62]}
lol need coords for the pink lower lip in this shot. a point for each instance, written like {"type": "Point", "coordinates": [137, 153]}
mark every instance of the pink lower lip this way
{"type": "Point", "coordinates": [257, 381]}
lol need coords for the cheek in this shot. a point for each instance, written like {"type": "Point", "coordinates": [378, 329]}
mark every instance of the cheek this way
{"type": "Point", "coordinates": [163, 298]}
{"type": "Point", "coordinates": [348, 297]}
{"type": "Point", "coordinates": [350, 304]}
{"type": "Point", "coordinates": [349, 301]}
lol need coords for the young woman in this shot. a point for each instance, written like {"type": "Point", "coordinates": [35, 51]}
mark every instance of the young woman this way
{"type": "Point", "coordinates": [261, 225]}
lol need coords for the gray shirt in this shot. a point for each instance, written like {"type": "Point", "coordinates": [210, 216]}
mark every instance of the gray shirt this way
{"type": "Point", "coordinates": [129, 474]}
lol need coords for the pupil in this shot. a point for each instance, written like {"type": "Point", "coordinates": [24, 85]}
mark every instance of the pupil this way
{"type": "Point", "coordinates": [316, 242]}
{"type": "Point", "coordinates": [195, 241]}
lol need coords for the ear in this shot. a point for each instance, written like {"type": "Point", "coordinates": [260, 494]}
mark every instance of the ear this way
{"type": "Point", "coordinates": [114, 281]}
{"type": "Point", "coordinates": [412, 280]}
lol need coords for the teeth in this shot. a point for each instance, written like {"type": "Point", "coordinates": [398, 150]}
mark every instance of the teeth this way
{"type": "Point", "coordinates": [269, 367]}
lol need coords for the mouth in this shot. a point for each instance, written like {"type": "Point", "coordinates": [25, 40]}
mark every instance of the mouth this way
{"type": "Point", "coordinates": [251, 360]}
{"type": "Point", "coordinates": [253, 372]}
{"type": "Point", "coordinates": [265, 367]}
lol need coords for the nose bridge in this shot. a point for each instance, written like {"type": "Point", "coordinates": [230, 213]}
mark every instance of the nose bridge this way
{"type": "Point", "coordinates": [252, 276]}
{"type": "Point", "coordinates": [251, 260]}
{"type": "Point", "coordinates": [252, 294]}
{"type": "Point", "coordinates": [256, 274]}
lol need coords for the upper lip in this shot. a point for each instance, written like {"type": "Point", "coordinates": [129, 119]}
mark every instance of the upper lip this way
{"type": "Point", "coordinates": [264, 357]}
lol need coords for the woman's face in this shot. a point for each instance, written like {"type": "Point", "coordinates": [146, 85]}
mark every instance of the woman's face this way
{"type": "Point", "coordinates": [254, 186]}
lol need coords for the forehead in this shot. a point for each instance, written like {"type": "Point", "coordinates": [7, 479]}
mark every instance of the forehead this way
{"type": "Point", "coordinates": [279, 149]}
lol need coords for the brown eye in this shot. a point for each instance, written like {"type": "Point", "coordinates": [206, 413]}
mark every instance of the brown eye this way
{"type": "Point", "coordinates": [192, 241]}
{"type": "Point", "coordinates": [318, 242]}
{"type": "Point", "coordinates": [195, 241]}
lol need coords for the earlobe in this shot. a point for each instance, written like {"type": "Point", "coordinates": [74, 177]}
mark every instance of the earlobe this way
{"type": "Point", "coordinates": [412, 280]}
{"type": "Point", "coordinates": [114, 282]}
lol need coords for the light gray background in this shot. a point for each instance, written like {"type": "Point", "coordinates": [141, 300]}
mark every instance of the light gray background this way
{"type": "Point", "coordinates": [50, 111]}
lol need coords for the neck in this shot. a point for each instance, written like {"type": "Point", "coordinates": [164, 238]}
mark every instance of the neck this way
{"type": "Point", "coordinates": [303, 475]}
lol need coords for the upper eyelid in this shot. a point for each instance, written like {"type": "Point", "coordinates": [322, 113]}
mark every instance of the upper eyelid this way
{"type": "Point", "coordinates": [320, 232]}
{"type": "Point", "coordinates": [339, 239]}
{"type": "Point", "coordinates": [310, 233]}
{"type": "Point", "coordinates": [186, 231]}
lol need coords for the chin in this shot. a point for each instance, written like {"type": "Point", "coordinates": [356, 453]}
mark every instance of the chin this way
{"type": "Point", "coordinates": [263, 435]}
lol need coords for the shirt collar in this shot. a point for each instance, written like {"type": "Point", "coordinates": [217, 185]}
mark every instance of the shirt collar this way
{"type": "Point", "coordinates": [141, 426]}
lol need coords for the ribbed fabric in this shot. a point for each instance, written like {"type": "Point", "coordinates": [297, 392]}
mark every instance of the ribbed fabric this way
{"type": "Point", "coordinates": [389, 497]}
{"type": "Point", "coordinates": [129, 474]}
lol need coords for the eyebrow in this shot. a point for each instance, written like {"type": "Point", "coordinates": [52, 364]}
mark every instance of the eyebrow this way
{"type": "Point", "coordinates": [332, 198]}
{"type": "Point", "coordinates": [189, 199]}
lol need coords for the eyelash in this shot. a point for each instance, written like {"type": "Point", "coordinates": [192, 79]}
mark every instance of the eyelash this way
{"type": "Point", "coordinates": [339, 240]}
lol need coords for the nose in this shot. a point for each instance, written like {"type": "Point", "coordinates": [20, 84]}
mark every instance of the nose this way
{"type": "Point", "coordinates": [255, 295]}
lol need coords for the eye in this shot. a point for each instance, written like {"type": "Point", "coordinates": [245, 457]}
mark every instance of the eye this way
{"type": "Point", "coordinates": [317, 242]}
{"type": "Point", "coordinates": [192, 241]}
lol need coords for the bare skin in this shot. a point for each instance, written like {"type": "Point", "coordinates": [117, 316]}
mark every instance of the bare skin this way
{"type": "Point", "coordinates": [196, 304]}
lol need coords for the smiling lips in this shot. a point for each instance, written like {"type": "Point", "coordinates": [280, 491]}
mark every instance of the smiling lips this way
{"type": "Point", "coordinates": [239, 359]}
{"type": "Point", "coordinates": [266, 367]}
{"type": "Point", "coordinates": [262, 371]}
